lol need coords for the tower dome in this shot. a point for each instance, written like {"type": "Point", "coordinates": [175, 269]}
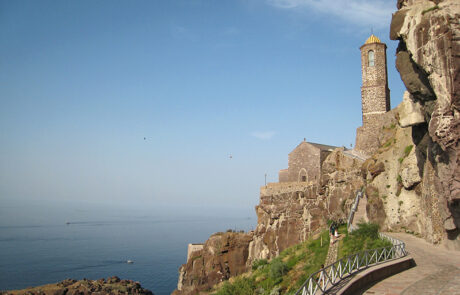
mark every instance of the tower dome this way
{"type": "Point", "coordinates": [372, 39]}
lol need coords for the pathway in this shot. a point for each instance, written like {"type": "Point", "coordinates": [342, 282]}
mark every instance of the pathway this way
{"type": "Point", "coordinates": [360, 214]}
{"type": "Point", "coordinates": [437, 271]}
{"type": "Point", "coordinates": [332, 253]}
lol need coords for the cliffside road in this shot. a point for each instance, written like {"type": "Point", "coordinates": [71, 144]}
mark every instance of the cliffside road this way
{"type": "Point", "coordinates": [437, 271]}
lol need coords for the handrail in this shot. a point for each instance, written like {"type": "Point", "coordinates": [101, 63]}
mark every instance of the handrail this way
{"type": "Point", "coordinates": [321, 281]}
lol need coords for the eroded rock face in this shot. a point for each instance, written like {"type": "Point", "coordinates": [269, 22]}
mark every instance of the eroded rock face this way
{"type": "Point", "coordinates": [112, 285]}
{"type": "Point", "coordinates": [223, 255]}
{"type": "Point", "coordinates": [428, 60]}
{"type": "Point", "coordinates": [289, 213]}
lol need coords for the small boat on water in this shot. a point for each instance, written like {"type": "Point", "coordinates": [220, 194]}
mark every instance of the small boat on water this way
{"type": "Point", "coordinates": [67, 222]}
{"type": "Point", "coordinates": [129, 261]}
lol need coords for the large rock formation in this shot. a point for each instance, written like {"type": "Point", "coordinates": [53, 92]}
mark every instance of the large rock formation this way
{"type": "Point", "coordinates": [288, 213]}
{"type": "Point", "coordinates": [112, 286]}
{"type": "Point", "coordinates": [428, 60]}
{"type": "Point", "coordinates": [222, 256]}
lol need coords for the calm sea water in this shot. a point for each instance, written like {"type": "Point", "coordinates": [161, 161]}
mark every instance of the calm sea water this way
{"type": "Point", "coordinates": [38, 247]}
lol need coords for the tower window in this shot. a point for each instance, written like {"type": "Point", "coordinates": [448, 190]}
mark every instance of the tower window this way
{"type": "Point", "coordinates": [371, 58]}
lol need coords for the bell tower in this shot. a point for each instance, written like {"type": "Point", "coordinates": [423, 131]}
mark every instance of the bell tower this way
{"type": "Point", "coordinates": [375, 94]}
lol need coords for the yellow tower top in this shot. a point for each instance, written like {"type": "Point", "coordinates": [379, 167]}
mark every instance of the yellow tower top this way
{"type": "Point", "coordinates": [372, 39]}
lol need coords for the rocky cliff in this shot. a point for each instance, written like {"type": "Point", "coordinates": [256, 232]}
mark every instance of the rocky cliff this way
{"type": "Point", "coordinates": [420, 188]}
{"type": "Point", "coordinates": [112, 286]}
{"type": "Point", "coordinates": [288, 213]}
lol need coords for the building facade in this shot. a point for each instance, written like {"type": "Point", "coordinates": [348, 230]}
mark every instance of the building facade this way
{"type": "Point", "coordinates": [305, 162]}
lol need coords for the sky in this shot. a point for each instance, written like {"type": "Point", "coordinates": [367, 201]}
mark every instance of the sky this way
{"type": "Point", "coordinates": [142, 103]}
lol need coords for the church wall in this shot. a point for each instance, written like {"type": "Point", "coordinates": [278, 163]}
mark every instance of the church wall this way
{"type": "Point", "coordinates": [305, 156]}
{"type": "Point", "coordinates": [283, 175]}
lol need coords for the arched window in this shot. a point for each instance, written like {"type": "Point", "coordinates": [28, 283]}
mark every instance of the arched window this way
{"type": "Point", "coordinates": [371, 58]}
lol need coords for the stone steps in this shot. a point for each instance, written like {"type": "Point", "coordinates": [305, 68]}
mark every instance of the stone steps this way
{"type": "Point", "coordinates": [360, 214]}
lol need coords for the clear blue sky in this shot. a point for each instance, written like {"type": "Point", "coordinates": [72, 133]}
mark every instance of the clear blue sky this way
{"type": "Point", "coordinates": [83, 82]}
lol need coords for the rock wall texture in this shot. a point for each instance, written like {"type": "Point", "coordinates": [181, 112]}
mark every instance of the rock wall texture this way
{"type": "Point", "coordinates": [428, 60]}
{"type": "Point", "coordinates": [223, 255]}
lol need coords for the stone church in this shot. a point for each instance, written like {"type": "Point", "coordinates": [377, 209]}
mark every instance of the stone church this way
{"type": "Point", "coordinates": [305, 161]}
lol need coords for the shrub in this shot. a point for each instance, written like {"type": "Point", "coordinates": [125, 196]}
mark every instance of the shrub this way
{"type": "Point", "coordinates": [367, 230]}
{"type": "Point", "coordinates": [277, 269]}
{"type": "Point", "coordinates": [259, 263]}
{"type": "Point", "coordinates": [241, 286]}
{"type": "Point", "coordinates": [364, 238]}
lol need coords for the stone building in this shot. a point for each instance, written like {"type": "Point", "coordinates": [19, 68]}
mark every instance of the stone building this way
{"type": "Point", "coordinates": [375, 94]}
{"type": "Point", "coordinates": [304, 163]}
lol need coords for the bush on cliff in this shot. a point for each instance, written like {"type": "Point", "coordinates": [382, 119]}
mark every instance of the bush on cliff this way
{"type": "Point", "coordinates": [242, 286]}
{"type": "Point", "coordinates": [259, 263]}
{"type": "Point", "coordinates": [277, 270]}
{"type": "Point", "coordinates": [283, 274]}
{"type": "Point", "coordinates": [366, 237]}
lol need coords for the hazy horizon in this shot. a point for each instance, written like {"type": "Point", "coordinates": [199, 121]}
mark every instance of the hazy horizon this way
{"type": "Point", "coordinates": [176, 105]}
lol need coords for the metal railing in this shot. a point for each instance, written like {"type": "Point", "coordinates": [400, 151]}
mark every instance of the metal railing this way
{"type": "Point", "coordinates": [324, 279]}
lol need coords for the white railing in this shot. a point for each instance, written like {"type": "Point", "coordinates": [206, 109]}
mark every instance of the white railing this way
{"type": "Point", "coordinates": [324, 279]}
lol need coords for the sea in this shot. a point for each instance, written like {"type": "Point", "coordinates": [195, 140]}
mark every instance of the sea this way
{"type": "Point", "coordinates": [43, 242]}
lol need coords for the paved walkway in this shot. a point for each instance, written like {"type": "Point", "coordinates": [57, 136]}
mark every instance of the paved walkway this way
{"type": "Point", "coordinates": [437, 271]}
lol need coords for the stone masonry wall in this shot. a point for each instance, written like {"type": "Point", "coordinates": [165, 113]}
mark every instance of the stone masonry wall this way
{"type": "Point", "coordinates": [375, 98]}
{"type": "Point", "coordinates": [193, 248]}
{"type": "Point", "coordinates": [305, 157]}
{"type": "Point", "coordinates": [375, 94]}
{"type": "Point", "coordinates": [283, 175]}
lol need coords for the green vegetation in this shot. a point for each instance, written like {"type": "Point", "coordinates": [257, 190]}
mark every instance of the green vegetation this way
{"type": "Point", "coordinates": [387, 144]}
{"type": "Point", "coordinates": [407, 150]}
{"type": "Point", "coordinates": [258, 263]}
{"type": "Point", "coordinates": [283, 274]}
{"type": "Point", "coordinates": [430, 9]}
{"type": "Point", "coordinates": [399, 179]}
{"type": "Point", "coordinates": [366, 237]}
{"type": "Point", "coordinates": [400, 203]}
{"type": "Point", "coordinates": [241, 286]}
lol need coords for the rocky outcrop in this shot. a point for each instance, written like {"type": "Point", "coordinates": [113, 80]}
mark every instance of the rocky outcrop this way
{"type": "Point", "coordinates": [112, 286]}
{"type": "Point", "coordinates": [288, 213]}
{"type": "Point", "coordinates": [428, 60]}
{"type": "Point", "coordinates": [222, 256]}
